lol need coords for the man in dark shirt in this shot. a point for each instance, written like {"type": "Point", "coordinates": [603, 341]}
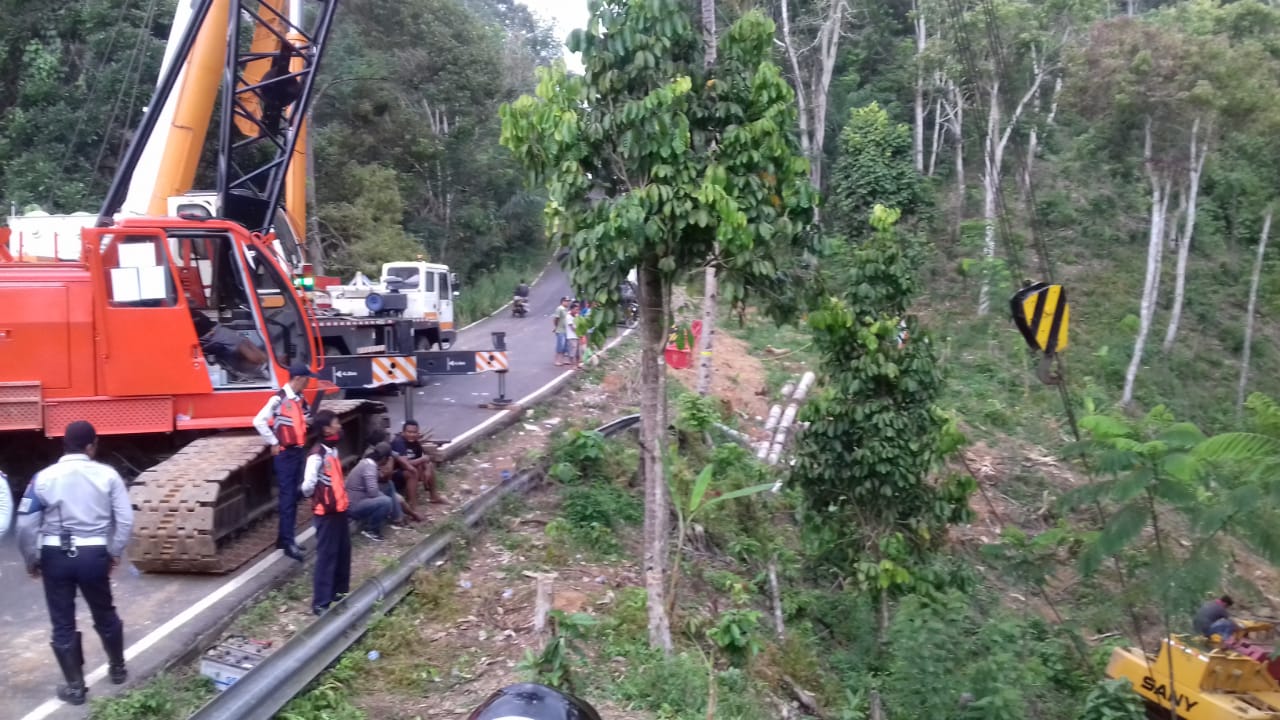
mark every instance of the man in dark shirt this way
{"type": "Point", "coordinates": [414, 466]}
{"type": "Point", "coordinates": [1213, 618]}
{"type": "Point", "coordinates": [522, 290]}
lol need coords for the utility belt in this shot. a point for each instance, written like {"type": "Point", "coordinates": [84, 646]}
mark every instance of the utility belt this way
{"type": "Point", "coordinates": [70, 544]}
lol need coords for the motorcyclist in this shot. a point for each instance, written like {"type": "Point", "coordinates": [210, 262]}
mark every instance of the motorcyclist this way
{"type": "Point", "coordinates": [520, 298]}
{"type": "Point", "coordinates": [529, 701]}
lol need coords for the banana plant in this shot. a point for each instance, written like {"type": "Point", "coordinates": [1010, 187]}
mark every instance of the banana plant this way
{"type": "Point", "coordinates": [687, 509]}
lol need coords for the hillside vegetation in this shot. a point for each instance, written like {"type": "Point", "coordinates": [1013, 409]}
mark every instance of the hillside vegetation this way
{"type": "Point", "coordinates": [854, 190]}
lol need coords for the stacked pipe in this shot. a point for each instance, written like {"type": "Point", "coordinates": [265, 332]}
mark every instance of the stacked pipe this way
{"type": "Point", "coordinates": [780, 422]}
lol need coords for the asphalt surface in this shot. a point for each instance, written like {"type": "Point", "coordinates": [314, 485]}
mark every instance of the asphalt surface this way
{"type": "Point", "coordinates": [167, 613]}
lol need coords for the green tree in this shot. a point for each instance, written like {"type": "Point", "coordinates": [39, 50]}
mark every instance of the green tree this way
{"type": "Point", "coordinates": [870, 512]}
{"type": "Point", "coordinates": [630, 188]}
{"type": "Point", "coordinates": [874, 168]}
{"type": "Point", "coordinates": [742, 124]}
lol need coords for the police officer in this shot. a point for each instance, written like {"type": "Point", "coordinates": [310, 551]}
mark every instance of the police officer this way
{"type": "Point", "coordinates": [530, 701]}
{"type": "Point", "coordinates": [73, 525]}
{"type": "Point", "coordinates": [282, 423]}
{"type": "Point", "coordinates": [323, 479]}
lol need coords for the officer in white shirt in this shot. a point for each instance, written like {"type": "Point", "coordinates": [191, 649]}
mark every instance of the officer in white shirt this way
{"type": "Point", "coordinates": [73, 525]}
{"type": "Point", "coordinates": [6, 504]}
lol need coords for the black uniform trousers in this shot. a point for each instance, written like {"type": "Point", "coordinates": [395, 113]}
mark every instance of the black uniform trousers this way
{"type": "Point", "coordinates": [89, 571]}
{"type": "Point", "coordinates": [333, 559]}
{"type": "Point", "coordinates": [289, 466]}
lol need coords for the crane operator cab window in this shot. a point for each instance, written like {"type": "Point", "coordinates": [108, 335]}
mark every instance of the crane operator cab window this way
{"type": "Point", "coordinates": [218, 281]}
{"type": "Point", "coordinates": [285, 322]}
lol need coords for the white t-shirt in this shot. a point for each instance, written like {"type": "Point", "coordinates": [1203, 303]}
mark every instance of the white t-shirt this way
{"type": "Point", "coordinates": [571, 327]}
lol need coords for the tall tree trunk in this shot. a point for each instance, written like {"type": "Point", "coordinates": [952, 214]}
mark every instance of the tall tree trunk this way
{"type": "Point", "coordinates": [936, 145]}
{"type": "Point", "coordinates": [957, 136]}
{"type": "Point", "coordinates": [998, 134]}
{"type": "Point", "coordinates": [1253, 304]}
{"type": "Point", "coordinates": [813, 84]}
{"type": "Point", "coordinates": [801, 96]}
{"type": "Point", "coordinates": [711, 295]}
{"type": "Point", "coordinates": [710, 45]}
{"type": "Point", "coordinates": [829, 48]}
{"type": "Point", "coordinates": [1160, 189]}
{"type": "Point", "coordinates": [991, 164]}
{"type": "Point", "coordinates": [918, 131]}
{"type": "Point", "coordinates": [653, 435]}
{"type": "Point", "coordinates": [1033, 137]}
{"type": "Point", "coordinates": [1199, 149]}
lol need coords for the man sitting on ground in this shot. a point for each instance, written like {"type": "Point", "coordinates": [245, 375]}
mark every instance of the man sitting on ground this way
{"type": "Point", "coordinates": [401, 507]}
{"type": "Point", "coordinates": [415, 465]}
{"type": "Point", "coordinates": [368, 503]}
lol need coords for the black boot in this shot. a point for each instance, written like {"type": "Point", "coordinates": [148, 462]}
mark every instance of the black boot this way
{"type": "Point", "coordinates": [113, 644]}
{"type": "Point", "coordinates": [292, 550]}
{"type": "Point", "coordinates": [71, 660]}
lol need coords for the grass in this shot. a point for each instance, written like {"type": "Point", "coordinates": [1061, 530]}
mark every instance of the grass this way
{"type": "Point", "coordinates": [483, 295]}
{"type": "Point", "coordinates": [165, 697]}
{"type": "Point", "coordinates": [761, 334]}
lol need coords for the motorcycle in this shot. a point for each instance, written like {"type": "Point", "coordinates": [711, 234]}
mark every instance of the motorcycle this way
{"type": "Point", "coordinates": [519, 306]}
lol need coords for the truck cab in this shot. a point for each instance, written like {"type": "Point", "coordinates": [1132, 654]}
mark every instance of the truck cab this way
{"type": "Point", "coordinates": [430, 288]}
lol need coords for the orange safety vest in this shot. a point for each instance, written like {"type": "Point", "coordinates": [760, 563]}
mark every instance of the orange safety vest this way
{"type": "Point", "coordinates": [331, 488]}
{"type": "Point", "coordinates": [289, 422]}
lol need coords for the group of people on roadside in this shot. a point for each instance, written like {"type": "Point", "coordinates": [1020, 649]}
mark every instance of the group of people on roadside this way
{"type": "Point", "coordinates": [380, 491]}
{"type": "Point", "coordinates": [570, 325]}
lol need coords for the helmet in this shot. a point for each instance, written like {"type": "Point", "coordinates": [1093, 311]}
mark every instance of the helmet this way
{"type": "Point", "coordinates": [529, 701]}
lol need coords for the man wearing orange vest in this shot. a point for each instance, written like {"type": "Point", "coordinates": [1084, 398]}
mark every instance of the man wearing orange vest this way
{"type": "Point", "coordinates": [323, 480]}
{"type": "Point", "coordinates": [282, 423]}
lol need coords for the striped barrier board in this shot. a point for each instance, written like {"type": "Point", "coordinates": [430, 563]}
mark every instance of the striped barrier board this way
{"type": "Point", "coordinates": [487, 360]}
{"type": "Point", "coordinates": [389, 369]}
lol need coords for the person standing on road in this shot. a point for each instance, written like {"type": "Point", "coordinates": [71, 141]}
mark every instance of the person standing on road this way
{"type": "Point", "coordinates": [559, 324]}
{"type": "Point", "coordinates": [282, 423]}
{"type": "Point", "coordinates": [73, 525]}
{"type": "Point", "coordinates": [322, 480]}
{"type": "Point", "coordinates": [571, 336]}
{"type": "Point", "coordinates": [369, 505]}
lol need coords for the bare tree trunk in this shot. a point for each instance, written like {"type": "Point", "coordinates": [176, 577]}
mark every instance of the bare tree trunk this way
{"type": "Point", "coordinates": [997, 140]}
{"type": "Point", "coordinates": [711, 295]}
{"type": "Point", "coordinates": [801, 103]}
{"type": "Point", "coordinates": [1199, 149]}
{"type": "Point", "coordinates": [1160, 188]}
{"type": "Point", "coordinates": [710, 303]}
{"type": "Point", "coordinates": [1033, 138]}
{"type": "Point", "coordinates": [775, 594]}
{"type": "Point", "coordinates": [1253, 304]}
{"type": "Point", "coordinates": [991, 164]}
{"type": "Point", "coordinates": [918, 131]}
{"type": "Point", "coordinates": [936, 145]}
{"type": "Point", "coordinates": [957, 135]}
{"type": "Point", "coordinates": [653, 433]}
{"type": "Point", "coordinates": [829, 45]}
{"type": "Point", "coordinates": [710, 45]}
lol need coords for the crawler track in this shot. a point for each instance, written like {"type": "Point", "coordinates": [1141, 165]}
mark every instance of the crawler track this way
{"type": "Point", "coordinates": [210, 508]}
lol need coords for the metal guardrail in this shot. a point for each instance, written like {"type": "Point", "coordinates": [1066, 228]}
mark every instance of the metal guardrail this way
{"type": "Point", "coordinates": [267, 688]}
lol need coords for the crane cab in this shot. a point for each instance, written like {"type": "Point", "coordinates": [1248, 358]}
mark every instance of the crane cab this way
{"type": "Point", "coordinates": [159, 324]}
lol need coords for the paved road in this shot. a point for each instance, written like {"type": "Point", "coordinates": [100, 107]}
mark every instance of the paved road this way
{"type": "Point", "coordinates": [164, 614]}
